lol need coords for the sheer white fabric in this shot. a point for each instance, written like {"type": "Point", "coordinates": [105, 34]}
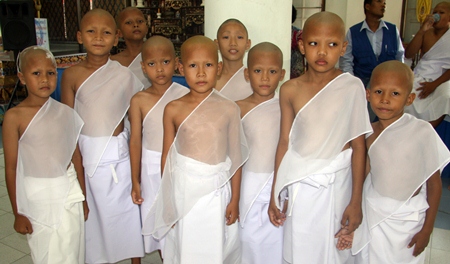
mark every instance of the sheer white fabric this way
{"type": "Point", "coordinates": [402, 159]}
{"type": "Point", "coordinates": [333, 117]}
{"type": "Point", "coordinates": [102, 102]}
{"type": "Point", "coordinates": [152, 125]}
{"type": "Point", "coordinates": [237, 88]}
{"type": "Point", "coordinates": [45, 151]}
{"type": "Point", "coordinates": [136, 68]}
{"type": "Point", "coordinates": [430, 67]}
{"type": "Point", "coordinates": [262, 130]}
{"type": "Point", "coordinates": [208, 149]}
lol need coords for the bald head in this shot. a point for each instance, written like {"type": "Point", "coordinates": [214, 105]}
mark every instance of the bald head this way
{"type": "Point", "coordinates": [325, 19]}
{"type": "Point", "coordinates": [267, 48]}
{"type": "Point", "coordinates": [128, 10]}
{"type": "Point", "coordinates": [33, 51]}
{"type": "Point", "coordinates": [156, 43]}
{"type": "Point", "coordinates": [97, 14]}
{"type": "Point", "coordinates": [231, 21]}
{"type": "Point", "coordinates": [401, 70]}
{"type": "Point", "coordinates": [199, 42]}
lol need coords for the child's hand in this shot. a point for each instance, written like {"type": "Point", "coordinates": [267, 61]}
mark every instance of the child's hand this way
{"type": "Point", "coordinates": [345, 239]}
{"type": "Point", "coordinates": [232, 213]}
{"type": "Point", "coordinates": [276, 216]}
{"type": "Point", "coordinates": [352, 217]}
{"type": "Point", "coordinates": [85, 210]}
{"type": "Point", "coordinates": [22, 225]}
{"type": "Point", "coordinates": [426, 88]}
{"type": "Point", "coordinates": [136, 194]}
{"type": "Point", "coordinates": [420, 240]}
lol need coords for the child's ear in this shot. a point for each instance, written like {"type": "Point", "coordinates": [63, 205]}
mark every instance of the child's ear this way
{"type": "Point", "coordinates": [219, 68]}
{"type": "Point", "coordinates": [217, 42]}
{"type": "Point", "coordinates": [21, 78]}
{"type": "Point", "coordinates": [180, 68]}
{"type": "Point", "coordinates": [119, 33]}
{"type": "Point", "coordinates": [246, 75]}
{"type": "Point", "coordinates": [116, 39]}
{"type": "Point", "coordinates": [176, 63]}
{"type": "Point", "coordinates": [344, 48]}
{"type": "Point", "coordinates": [410, 99]}
{"type": "Point", "coordinates": [283, 72]}
{"type": "Point", "coordinates": [80, 41]}
{"type": "Point", "coordinates": [368, 94]}
{"type": "Point", "coordinates": [301, 47]}
{"type": "Point", "coordinates": [248, 45]}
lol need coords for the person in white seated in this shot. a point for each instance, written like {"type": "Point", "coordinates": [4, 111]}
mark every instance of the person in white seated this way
{"type": "Point", "coordinates": [432, 74]}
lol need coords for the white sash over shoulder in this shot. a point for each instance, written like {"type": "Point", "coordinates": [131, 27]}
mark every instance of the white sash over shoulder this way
{"type": "Point", "coordinates": [237, 88]}
{"type": "Point", "coordinates": [102, 102]}
{"type": "Point", "coordinates": [136, 68]}
{"type": "Point", "coordinates": [208, 149]}
{"type": "Point", "coordinates": [406, 154]}
{"type": "Point", "coordinates": [333, 117]}
{"type": "Point", "coordinates": [262, 130]}
{"type": "Point", "coordinates": [152, 126]}
{"type": "Point", "coordinates": [44, 155]}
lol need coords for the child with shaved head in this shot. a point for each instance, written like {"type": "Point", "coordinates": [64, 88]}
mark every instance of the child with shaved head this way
{"type": "Point", "coordinates": [146, 119]}
{"type": "Point", "coordinates": [100, 90]}
{"type": "Point", "coordinates": [403, 186]}
{"type": "Point", "coordinates": [132, 27]}
{"type": "Point", "coordinates": [197, 205]}
{"type": "Point", "coordinates": [40, 140]}
{"type": "Point", "coordinates": [321, 153]}
{"type": "Point", "coordinates": [261, 241]}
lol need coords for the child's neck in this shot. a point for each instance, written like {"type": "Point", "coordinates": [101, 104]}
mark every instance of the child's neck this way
{"type": "Point", "coordinates": [321, 78]}
{"type": "Point", "coordinates": [160, 89]}
{"type": "Point", "coordinates": [382, 124]}
{"type": "Point", "coordinates": [133, 48]}
{"type": "Point", "coordinates": [199, 97]}
{"type": "Point", "coordinates": [34, 101]}
{"type": "Point", "coordinates": [258, 99]}
{"type": "Point", "coordinates": [229, 68]}
{"type": "Point", "coordinates": [96, 61]}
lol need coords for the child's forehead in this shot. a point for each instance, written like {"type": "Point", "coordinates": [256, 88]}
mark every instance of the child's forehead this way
{"type": "Point", "coordinates": [269, 58]}
{"type": "Point", "coordinates": [158, 51]}
{"type": "Point", "coordinates": [199, 52]}
{"type": "Point", "coordinates": [127, 14]}
{"type": "Point", "coordinates": [232, 26]}
{"type": "Point", "coordinates": [98, 21]}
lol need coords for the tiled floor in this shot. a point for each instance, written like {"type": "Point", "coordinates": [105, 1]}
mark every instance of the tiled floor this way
{"type": "Point", "coordinates": [14, 247]}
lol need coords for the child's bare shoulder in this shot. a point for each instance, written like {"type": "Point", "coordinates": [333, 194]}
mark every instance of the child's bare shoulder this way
{"type": "Point", "coordinates": [19, 117]}
{"type": "Point", "coordinates": [245, 105]}
{"type": "Point", "coordinates": [123, 58]}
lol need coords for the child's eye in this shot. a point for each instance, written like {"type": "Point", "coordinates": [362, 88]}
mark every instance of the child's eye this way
{"type": "Point", "coordinates": [192, 65]}
{"type": "Point", "coordinates": [240, 37]}
{"type": "Point", "coordinates": [151, 64]}
{"type": "Point", "coordinates": [165, 62]}
{"type": "Point", "coordinates": [225, 37]}
{"type": "Point", "coordinates": [36, 73]}
{"type": "Point", "coordinates": [312, 43]}
{"type": "Point", "coordinates": [377, 91]}
{"type": "Point", "coordinates": [257, 71]}
{"type": "Point", "coordinates": [209, 64]}
{"type": "Point", "coordinates": [128, 23]}
{"type": "Point", "coordinates": [395, 93]}
{"type": "Point", "coordinates": [107, 33]}
{"type": "Point", "coordinates": [90, 30]}
{"type": "Point", "coordinates": [51, 73]}
{"type": "Point", "coordinates": [333, 44]}
{"type": "Point", "coordinates": [273, 71]}
{"type": "Point", "coordinates": [141, 21]}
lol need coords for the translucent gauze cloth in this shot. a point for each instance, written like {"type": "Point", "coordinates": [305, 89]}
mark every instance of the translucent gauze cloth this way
{"type": "Point", "coordinates": [262, 130]}
{"type": "Point", "coordinates": [208, 149]}
{"type": "Point", "coordinates": [136, 67]}
{"type": "Point", "coordinates": [405, 154]}
{"type": "Point", "coordinates": [332, 118]}
{"type": "Point", "coordinates": [102, 102]}
{"type": "Point", "coordinates": [44, 155]}
{"type": "Point", "coordinates": [237, 88]}
{"type": "Point", "coordinates": [152, 126]}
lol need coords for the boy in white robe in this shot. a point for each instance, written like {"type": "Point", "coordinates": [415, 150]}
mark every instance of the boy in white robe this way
{"type": "Point", "coordinates": [432, 72]}
{"type": "Point", "coordinates": [403, 151]}
{"type": "Point", "coordinates": [132, 27]}
{"type": "Point", "coordinates": [261, 241]}
{"type": "Point", "coordinates": [146, 118]}
{"type": "Point", "coordinates": [320, 157]}
{"type": "Point", "coordinates": [40, 138]}
{"type": "Point", "coordinates": [204, 146]}
{"type": "Point", "coordinates": [100, 91]}
{"type": "Point", "coordinates": [233, 42]}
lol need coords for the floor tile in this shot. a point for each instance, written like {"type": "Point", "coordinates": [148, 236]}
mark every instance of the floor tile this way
{"type": "Point", "coordinates": [3, 212]}
{"type": "Point", "coordinates": [24, 260]}
{"type": "Point", "coordinates": [5, 204]}
{"type": "Point", "coordinates": [439, 256]}
{"type": "Point", "coordinates": [152, 258]}
{"type": "Point", "coordinates": [3, 191]}
{"type": "Point", "coordinates": [427, 255]}
{"type": "Point", "coordinates": [9, 255]}
{"type": "Point", "coordinates": [441, 239]}
{"type": "Point", "coordinates": [6, 225]}
{"type": "Point", "coordinates": [442, 221]}
{"type": "Point", "coordinates": [17, 241]}
{"type": "Point", "coordinates": [445, 184]}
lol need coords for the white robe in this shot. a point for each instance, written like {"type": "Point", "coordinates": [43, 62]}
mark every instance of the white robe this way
{"type": "Point", "coordinates": [430, 67]}
{"type": "Point", "coordinates": [208, 149]}
{"type": "Point", "coordinates": [136, 68]}
{"type": "Point", "coordinates": [261, 241]}
{"type": "Point", "coordinates": [392, 215]}
{"type": "Point", "coordinates": [237, 88]}
{"type": "Point", "coordinates": [317, 173]}
{"type": "Point", "coordinates": [113, 226]}
{"type": "Point", "coordinates": [152, 138]}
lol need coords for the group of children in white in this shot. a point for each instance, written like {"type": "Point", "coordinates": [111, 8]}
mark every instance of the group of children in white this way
{"type": "Point", "coordinates": [295, 172]}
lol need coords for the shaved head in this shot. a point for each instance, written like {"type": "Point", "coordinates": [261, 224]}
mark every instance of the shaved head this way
{"type": "Point", "coordinates": [265, 47]}
{"type": "Point", "coordinates": [126, 10]}
{"type": "Point", "coordinates": [199, 42]}
{"type": "Point", "coordinates": [229, 21]}
{"type": "Point", "coordinates": [325, 18]}
{"type": "Point", "coordinates": [98, 13]}
{"type": "Point", "coordinates": [157, 43]}
{"type": "Point", "coordinates": [394, 66]}
{"type": "Point", "coordinates": [33, 51]}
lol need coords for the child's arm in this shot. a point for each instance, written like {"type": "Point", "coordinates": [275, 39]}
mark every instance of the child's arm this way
{"type": "Point", "coordinates": [426, 88]}
{"type": "Point", "coordinates": [135, 117]}
{"type": "Point", "coordinates": [232, 211]}
{"type": "Point", "coordinates": [169, 126]}
{"type": "Point", "coordinates": [276, 216]}
{"type": "Point", "coordinates": [416, 43]}
{"type": "Point", "coordinates": [352, 216]}
{"type": "Point", "coordinates": [10, 147]}
{"type": "Point", "coordinates": [434, 191]}
{"type": "Point", "coordinates": [77, 163]}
